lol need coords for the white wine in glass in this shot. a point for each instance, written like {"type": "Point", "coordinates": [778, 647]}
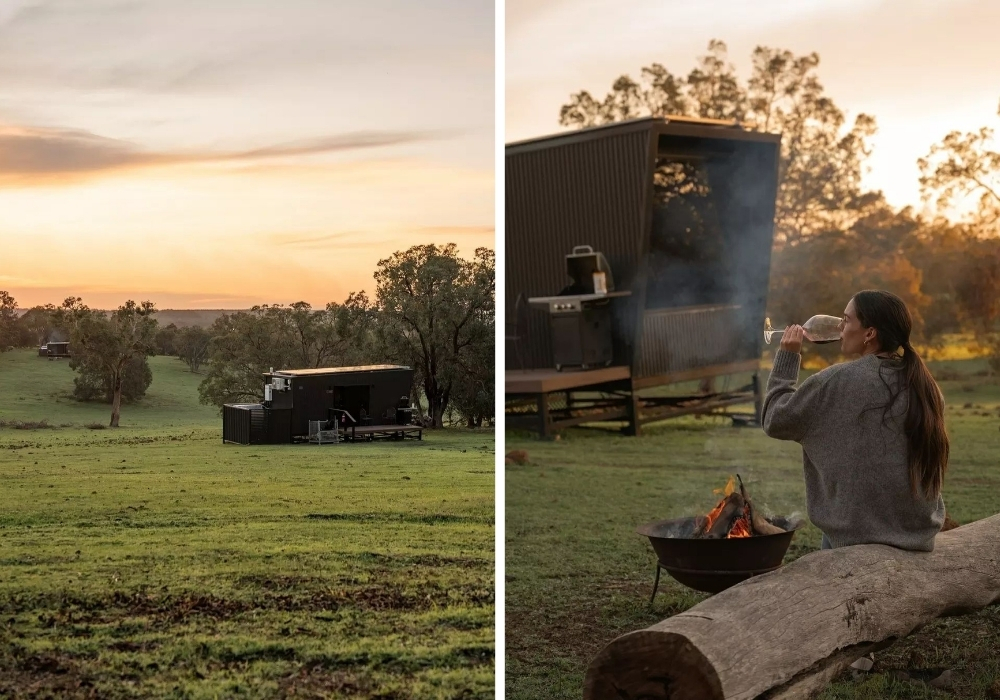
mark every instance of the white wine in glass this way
{"type": "Point", "coordinates": [818, 329]}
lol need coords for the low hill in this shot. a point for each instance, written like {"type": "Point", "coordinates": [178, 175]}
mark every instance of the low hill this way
{"type": "Point", "coordinates": [182, 318]}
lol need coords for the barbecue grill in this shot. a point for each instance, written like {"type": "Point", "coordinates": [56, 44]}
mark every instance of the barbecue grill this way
{"type": "Point", "coordinates": [580, 315]}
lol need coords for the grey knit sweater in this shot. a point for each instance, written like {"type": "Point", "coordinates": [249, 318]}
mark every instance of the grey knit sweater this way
{"type": "Point", "coordinates": [856, 471]}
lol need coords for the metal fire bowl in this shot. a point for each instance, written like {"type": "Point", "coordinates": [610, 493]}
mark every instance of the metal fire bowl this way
{"type": "Point", "coordinates": [714, 565]}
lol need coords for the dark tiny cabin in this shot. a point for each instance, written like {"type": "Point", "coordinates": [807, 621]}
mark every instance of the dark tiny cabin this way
{"type": "Point", "coordinates": [370, 399]}
{"type": "Point", "coordinates": [681, 209]}
{"type": "Point", "coordinates": [54, 350]}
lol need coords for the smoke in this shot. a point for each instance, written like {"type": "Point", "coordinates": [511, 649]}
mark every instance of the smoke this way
{"type": "Point", "coordinates": [57, 335]}
{"type": "Point", "coordinates": [712, 233]}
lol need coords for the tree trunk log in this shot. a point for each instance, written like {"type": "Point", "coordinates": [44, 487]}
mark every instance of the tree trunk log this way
{"type": "Point", "coordinates": [788, 633]}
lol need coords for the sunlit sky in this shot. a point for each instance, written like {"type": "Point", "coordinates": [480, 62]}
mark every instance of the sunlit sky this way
{"type": "Point", "coordinates": [921, 67]}
{"type": "Point", "coordinates": [220, 154]}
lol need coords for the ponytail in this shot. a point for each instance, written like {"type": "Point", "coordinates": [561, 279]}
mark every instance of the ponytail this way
{"type": "Point", "coordinates": [925, 433]}
{"type": "Point", "coordinates": [926, 440]}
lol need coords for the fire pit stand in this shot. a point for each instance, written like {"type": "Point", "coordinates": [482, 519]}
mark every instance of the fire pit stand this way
{"type": "Point", "coordinates": [713, 565]}
{"type": "Point", "coordinates": [714, 581]}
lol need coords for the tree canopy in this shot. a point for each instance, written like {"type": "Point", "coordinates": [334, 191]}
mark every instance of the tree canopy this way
{"type": "Point", "coordinates": [246, 344]}
{"type": "Point", "coordinates": [822, 155]}
{"type": "Point", "coordinates": [437, 312]}
{"type": "Point", "coordinates": [964, 166]}
{"type": "Point", "coordinates": [105, 348]}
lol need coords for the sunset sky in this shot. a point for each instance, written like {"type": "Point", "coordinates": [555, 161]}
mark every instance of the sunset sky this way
{"type": "Point", "coordinates": [220, 154]}
{"type": "Point", "coordinates": [921, 67]}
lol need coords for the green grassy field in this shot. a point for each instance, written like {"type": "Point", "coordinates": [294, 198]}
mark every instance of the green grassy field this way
{"type": "Point", "coordinates": [578, 575]}
{"type": "Point", "coordinates": [153, 561]}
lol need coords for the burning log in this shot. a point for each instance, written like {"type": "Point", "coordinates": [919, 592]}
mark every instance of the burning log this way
{"type": "Point", "coordinates": [762, 527]}
{"type": "Point", "coordinates": [758, 525]}
{"type": "Point", "coordinates": [722, 520]}
{"type": "Point", "coordinates": [801, 625]}
{"type": "Point", "coordinates": [735, 516]}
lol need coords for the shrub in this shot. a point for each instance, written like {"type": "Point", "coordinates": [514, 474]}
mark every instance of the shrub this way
{"type": "Point", "coordinates": [27, 424]}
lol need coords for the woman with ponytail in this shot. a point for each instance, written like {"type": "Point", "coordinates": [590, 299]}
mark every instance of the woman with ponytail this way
{"type": "Point", "coordinates": [872, 430]}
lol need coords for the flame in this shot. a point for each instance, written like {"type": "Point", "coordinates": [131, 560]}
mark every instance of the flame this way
{"type": "Point", "coordinates": [740, 528]}
{"type": "Point", "coordinates": [730, 487]}
{"type": "Point", "coordinates": [713, 516]}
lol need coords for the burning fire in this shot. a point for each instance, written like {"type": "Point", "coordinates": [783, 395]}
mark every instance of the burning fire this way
{"type": "Point", "coordinates": [741, 527]}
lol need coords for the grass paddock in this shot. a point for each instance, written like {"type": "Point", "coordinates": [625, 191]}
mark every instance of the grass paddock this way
{"type": "Point", "coordinates": [578, 575]}
{"type": "Point", "coordinates": [153, 561]}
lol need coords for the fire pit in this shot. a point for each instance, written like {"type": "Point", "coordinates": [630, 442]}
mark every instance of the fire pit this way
{"type": "Point", "coordinates": [731, 544]}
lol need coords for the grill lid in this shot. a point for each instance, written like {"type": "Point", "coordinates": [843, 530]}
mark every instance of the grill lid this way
{"type": "Point", "coordinates": [581, 265]}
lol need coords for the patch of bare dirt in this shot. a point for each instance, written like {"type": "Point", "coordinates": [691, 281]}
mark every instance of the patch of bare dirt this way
{"type": "Point", "coordinates": [534, 634]}
{"type": "Point", "coordinates": [309, 683]}
{"type": "Point", "coordinates": [49, 675]}
{"type": "Point", "coordinates": [68, 610]}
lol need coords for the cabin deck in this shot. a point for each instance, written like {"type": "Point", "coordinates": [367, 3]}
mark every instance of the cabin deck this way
{"type": "Point", "coordinates": [547, 401]}
{"type": "Point", "coordinates": [383, 432]}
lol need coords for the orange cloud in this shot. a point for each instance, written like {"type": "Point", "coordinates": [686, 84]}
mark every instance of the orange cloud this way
{"type": "Point", "coordinates": [33, 155]}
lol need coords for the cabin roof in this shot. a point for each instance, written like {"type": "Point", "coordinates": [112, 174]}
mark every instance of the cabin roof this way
{"type": "Point", "coordinates": [322, 371]}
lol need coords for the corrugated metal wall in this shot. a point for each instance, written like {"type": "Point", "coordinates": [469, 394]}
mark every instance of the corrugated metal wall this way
{"type": "Point", "coordinates": [242, 423]}
{"type": "Point", "coordinates": [588, 192]}
{"type": "Point", "coordinates": [674, 340]}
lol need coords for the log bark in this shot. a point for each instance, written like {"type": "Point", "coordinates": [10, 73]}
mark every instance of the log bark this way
{"type": "Point", "coordinates": [788, 633]}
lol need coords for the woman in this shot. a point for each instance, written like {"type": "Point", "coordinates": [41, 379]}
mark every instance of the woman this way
{"type": "Point", "coordinates": [872, 430]}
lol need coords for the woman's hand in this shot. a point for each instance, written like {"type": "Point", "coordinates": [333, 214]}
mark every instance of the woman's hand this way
{"type": "Point", "coordinates": [791, 339]}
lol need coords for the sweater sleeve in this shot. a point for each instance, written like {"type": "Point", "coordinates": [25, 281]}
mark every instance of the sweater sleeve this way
{"type": "Point", "coordinates": [788, 413]}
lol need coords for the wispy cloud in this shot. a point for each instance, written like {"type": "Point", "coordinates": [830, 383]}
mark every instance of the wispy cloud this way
{"type": "Point", "coordinates": [456, 230]}
{"type": "Point", "coordinates": [33, 153]}
{"type": "Point", "coordinates": [184, 45]}
{"type": "Point", "coordinates": [343, 142]}
{"type": "Point", "coordinates": [363, 239]}
{"type": "Point", "coordinates": [339, 240]}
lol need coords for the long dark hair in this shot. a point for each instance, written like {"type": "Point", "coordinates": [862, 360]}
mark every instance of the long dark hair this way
{"type": "Point", "coordinates": [926, 437]}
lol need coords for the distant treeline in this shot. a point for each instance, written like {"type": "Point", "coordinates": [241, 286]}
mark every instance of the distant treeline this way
{"type": "Point", "coordinates": [432, 310]}
{"type": "Point", "coordinates": [832, 236]}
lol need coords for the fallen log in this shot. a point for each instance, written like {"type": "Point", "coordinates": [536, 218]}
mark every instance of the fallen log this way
{"type": "Point", "coordinates": [788, 633]}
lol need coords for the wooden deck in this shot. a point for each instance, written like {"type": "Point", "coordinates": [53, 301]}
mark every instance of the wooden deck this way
{"type": "Point", "coordinates": [547, 400]}
{"type": "Point", "coordinates": [385, 432]}
{"type": "Point", "coordinates": [546, 381]}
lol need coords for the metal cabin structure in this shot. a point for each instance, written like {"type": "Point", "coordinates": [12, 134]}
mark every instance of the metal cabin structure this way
{"type": "Point", "coordinates": [55, 350]}
{"type": "Point", "coordinates": [366, 402]}
{"type": "Point", "coordinates": [683, 212]}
